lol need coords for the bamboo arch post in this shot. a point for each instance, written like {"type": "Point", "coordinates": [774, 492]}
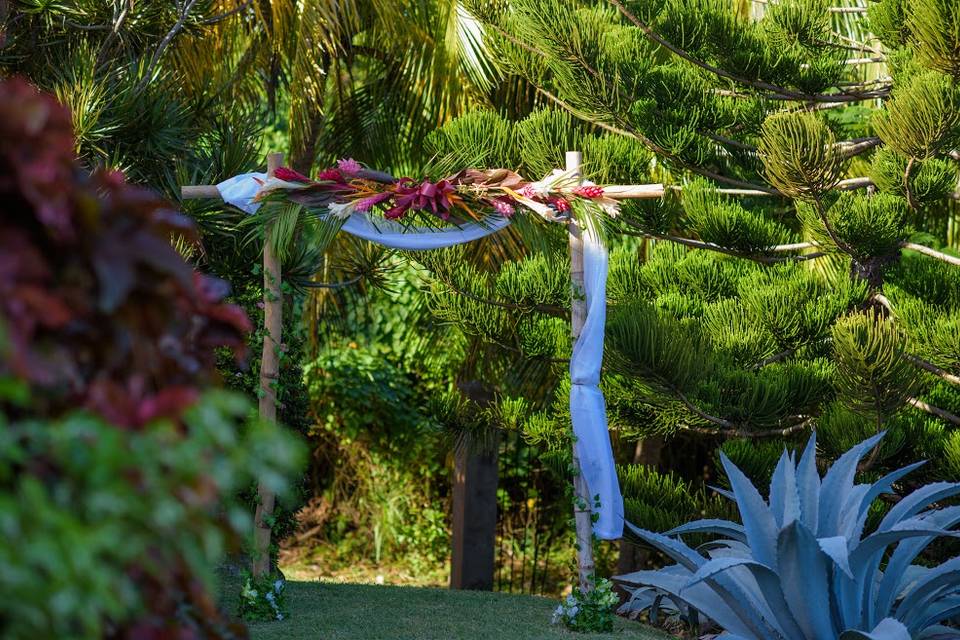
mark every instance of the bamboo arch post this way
{"type": "Point", "coordinates": [582, 509]}
{"type": "Point", "coordinates": [269, 378]}
{"type": "Point", "coordinates": [269, 365]}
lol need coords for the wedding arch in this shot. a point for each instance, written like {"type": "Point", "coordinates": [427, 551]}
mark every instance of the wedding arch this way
{"type": "Point", "coordinates": [464, 207]}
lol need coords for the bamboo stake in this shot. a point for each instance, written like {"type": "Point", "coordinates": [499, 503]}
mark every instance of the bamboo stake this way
{"type": "Point", "coordinates": [582, 511]}
{"type": "Point", "coordinates": [269, 376]}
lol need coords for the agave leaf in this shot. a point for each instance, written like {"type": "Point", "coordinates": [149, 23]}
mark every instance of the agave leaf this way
{"type": "Point", "coordinates": [836, 485]}
{"type": "Point", "coordinates": [939, 632]}
{"type": "Point", "coordinates": [865, 562]}
{"type": "Point", "coordinates": [836, 548]}
{"type": "Point", "coordinates": [894, 581]}
{"type": "Point", "coordinates": [769, 583]}
{"type": "Point", "coordinates": [784, 497]}
{"type": "Point", "coordinates": [739, 602]}
{"type": "Point", "coordinates": [703, 598]}
{"type": "Point", "coordinates": [917, 501]}
{"type": "Point", "coordinates": [777, 488]}
{"type": "Point", "coordinates": [725, 549]}
{"type": "Point", "coordinates": [722, 492]}
{"type": "Point", "coordinates": [758, 522]}
{"type": "Point", "coordinates": [888, 629]}
{"type": "Point", "coordinates": [881, 486]}
{"type": "Point", "coordinates": [808, 485]}
{"type": "Point", "coordinates": [928, 589]}
{"type": "Point", "coordinates": [732, 530]}
{"type": "Point", "coordinates": [675, 549]}
{"type": "Point", "coordinates": [943, 609]}
{"type": "Point", "coordinates": [805, 580]}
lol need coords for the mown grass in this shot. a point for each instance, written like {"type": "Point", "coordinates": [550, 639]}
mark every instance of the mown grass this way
{"type": "Point", "coordinates": [328, 611]}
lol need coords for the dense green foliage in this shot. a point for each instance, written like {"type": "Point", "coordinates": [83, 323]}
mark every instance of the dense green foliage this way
{"type": "Point", "coordinates": [766, 295]}
{"type": "Point", "coordinates": [117, 469]}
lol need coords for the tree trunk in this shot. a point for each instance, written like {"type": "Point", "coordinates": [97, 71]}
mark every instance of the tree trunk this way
{"type": "Point", "coordinates": [582, 510]}
{"type": "Point", "coordinates": [475, 477]}
{"type": "Point", "coordinates": [632, 558]}
{"type": "Point", "coordinates": [269, 374]}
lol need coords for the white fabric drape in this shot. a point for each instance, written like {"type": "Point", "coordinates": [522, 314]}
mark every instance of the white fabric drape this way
{"type": "Point", "coordinates": [588, 411]}
{"type": "Point", "coordinates": [587, 407]}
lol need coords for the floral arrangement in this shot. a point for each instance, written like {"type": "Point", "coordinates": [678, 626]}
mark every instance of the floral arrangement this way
{"type": "Point", "coordinates": [468, 195]}
{"type": "Point", "coordinates": [262, 599]}
{"type": "Point", "coordinates": [588, 611]}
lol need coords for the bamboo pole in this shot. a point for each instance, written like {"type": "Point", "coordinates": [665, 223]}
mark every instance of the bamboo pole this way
{"type": "Point", "coordinates": [269, 376]}
{"type": "Point", "coordinates": [582, 511]}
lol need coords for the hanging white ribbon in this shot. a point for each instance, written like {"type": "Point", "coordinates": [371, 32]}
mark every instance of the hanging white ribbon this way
{"type": "Point", "coordinates": [587, 407]}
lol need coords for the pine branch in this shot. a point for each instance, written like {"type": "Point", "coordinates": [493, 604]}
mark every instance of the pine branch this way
{"type": "Point", "coordinates": [906, 183]}
{"type": "Point", "coordinates": [723, 422]}
{"type": "Point", "coordinates": [777, 357]}
{"type": "Point", "coordinates": [102, 54]}
{"type": "Point", "coordinates": [933, 253]}
{"type": "Point", "coordinates": [709, 246]}
{"type": "Point", "coordinates": [746, 433]}
{"type": "Point", "coordinates": [167, 39]}
{"type": "Point", "coordinates": [853, 148]}
{"type": "Point", "coordinates": [774, 92]}
{"type": "Point", "coordinates": [223, 16]}
{"type": "Point", "coordinates": [332, 285]}
{"type": "Point", "coordinates": [550, 310]}
{"type": "Point", "coordinates": [934, 411]}
{"type": "Point", "coordinates": [934, 369]}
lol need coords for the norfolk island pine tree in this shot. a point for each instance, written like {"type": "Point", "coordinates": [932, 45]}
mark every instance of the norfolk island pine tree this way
{"type": "Point", "coordinates": [801, 298]}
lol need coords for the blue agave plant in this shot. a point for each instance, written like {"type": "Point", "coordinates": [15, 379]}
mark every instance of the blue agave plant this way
{"type": "Point", "coordinates": [800, 567]}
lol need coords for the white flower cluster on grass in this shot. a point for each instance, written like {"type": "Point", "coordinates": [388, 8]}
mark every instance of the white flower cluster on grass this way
{"type": "Point", "coordinates": [590, 610]}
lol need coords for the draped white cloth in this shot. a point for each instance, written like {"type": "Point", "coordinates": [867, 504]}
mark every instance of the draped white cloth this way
{"type": "Point", "coordinates": [587, 407]}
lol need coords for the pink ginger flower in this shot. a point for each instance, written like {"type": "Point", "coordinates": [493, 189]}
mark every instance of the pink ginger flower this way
{"type": "Point", "coordinates": [349, 166]}
{"type": "Point", "coordinates": [528, 192]}
{"type": "Point", "coordinates": [503, 206]}
{"type": "Point", "coordinates": [366, 204]}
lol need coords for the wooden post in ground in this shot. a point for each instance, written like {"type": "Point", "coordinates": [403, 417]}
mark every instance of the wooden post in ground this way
{"type": "Point", "coordinates": [582, 509]}
{"type": "Point", "coordinates": [269, 375]}
{"type": "Point", "coordinates": [475, 476]}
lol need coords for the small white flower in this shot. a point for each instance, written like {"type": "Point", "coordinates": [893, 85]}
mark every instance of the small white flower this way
{"type": "Point", "coordinates": [278, 586]}
{"type": "Point", "coordinates": [341, 210]}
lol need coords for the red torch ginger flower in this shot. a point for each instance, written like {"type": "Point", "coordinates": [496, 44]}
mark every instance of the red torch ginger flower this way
{"type": "Point", "coordinates": [588, 191]}
{"type": "Point", "coordinates": [426, 195]}
{"type": "Point", "coordinates": [561, 205]}
{"type": "Point", "coordinates": [330, 175]}
{"type": "Point", "coordinates": [289, 175]}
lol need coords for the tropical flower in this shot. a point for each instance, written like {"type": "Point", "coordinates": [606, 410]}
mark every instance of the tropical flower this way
{"type": "Point", "coordinates": [503, 205]}
{"type": "Point", "coordinates": [342, 210]}
{"type": "Point", "coordinates": [330, 175]}
{"type": "Point", "coordinates": [349, 166]}
{"type": "Point", "coordinates": [366, 204]}
{"type": "Point", "coordinates": [289, 175]}
{"type": "Point", "coordinates": [426, 195]}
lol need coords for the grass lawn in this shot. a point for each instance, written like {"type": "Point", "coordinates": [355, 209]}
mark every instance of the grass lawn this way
{"type": "Point", "coordinates": [328, 611]}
